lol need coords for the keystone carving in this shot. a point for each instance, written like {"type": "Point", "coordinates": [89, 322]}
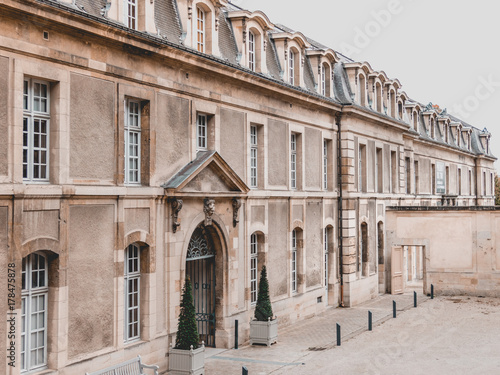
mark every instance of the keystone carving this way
{"type": "Point", "coordinates": [209, 210]}
{"type": "Point", "coordinates": [236, 208]}
{"type": "Point", "coordinates": [176, 205]}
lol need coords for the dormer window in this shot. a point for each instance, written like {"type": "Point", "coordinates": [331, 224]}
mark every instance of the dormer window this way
{"type": "Point", "coordinates": [292, 68]}
{"type": "Point", "coordinates": [323, 80]}
{"type": "Point", "coordinates": [131, 13]}
{"type": "Point", "coordinates": [200, 29]}
{"type": "Point", "coordinates": [251, 51]}
{"type": "Point", "coordinates": [433, 131]}
{"type": "Point", "coordinates": [400, 110]}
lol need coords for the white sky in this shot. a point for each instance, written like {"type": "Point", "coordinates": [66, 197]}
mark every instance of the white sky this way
{"type": "Point", "coordinates": [445, 52]}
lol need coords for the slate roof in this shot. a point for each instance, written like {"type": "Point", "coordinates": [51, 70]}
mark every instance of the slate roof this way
{"type": "Point", "coordinates": [273, 63]}
{"type": "Point", "coordinates": [92, 7]}
{"type": "Point", "coordinates": [167, 20]}
{"type": "Point", "coordinates": [188, 169]}
{"type": "Point", "coordinates": [227, 42]}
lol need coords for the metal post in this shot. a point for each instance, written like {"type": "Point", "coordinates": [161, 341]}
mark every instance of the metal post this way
{"type": "Point", "coordinates": [414, 299]}
{"type": "Point", "coordinates": [393, 309]}
{"type": "Point", "coordinates": [338, 335]}
{"type": "Point", "coordinates": [236, 334]}
{"type": "Point", "coordinates": [244, 371]}
{"type": "Point", "coordinates": [432, 291]}
{"type": "Point", "coordinates": [369, 320]}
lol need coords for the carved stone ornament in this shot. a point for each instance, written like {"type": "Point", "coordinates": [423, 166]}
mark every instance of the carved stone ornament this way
{"type": "Point", "coordinates": [209, 210]}
{"type": "Point", "coordinates": [236, 208]}
{"type": "Point", "coordinates": [217, 13]}
{"type": "Point", "coordinates": [265, 45]}
{"type": "Point", "coordinates": [190, 9]}
{"type": "Point", "coordinates": [176, 208]}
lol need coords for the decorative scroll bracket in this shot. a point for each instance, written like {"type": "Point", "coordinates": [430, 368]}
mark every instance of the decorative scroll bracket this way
{"type": "Point", "coordinates": [176, 205]}
{"type": "Point", "coordinates": [209, 210]}
{"type": "Point", "coordinates": [236, 208]}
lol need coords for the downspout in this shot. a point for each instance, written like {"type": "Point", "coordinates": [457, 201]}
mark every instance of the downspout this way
{"type": "Point", "coordinates": [476, 181]}
{"type": "Point", "coordinates": [338, 116]}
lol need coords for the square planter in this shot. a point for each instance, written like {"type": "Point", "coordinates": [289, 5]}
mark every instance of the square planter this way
{"type": "Point", "coordinates": [264, 332]}
{"type": "Point", "coordinates": [187, 362]}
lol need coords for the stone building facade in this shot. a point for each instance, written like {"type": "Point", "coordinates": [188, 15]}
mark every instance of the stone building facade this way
{"type": "Point", "coordinates": [143, 141]}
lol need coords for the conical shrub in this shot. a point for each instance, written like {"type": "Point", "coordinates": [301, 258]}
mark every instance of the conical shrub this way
{"type": "Point", "coordinates": [187, 329]}
{"type": "Point", "coordinates": [263, 308]}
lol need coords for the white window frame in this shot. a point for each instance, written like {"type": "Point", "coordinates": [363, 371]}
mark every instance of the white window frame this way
{"type": "Point", "coordinates": [132, 128]}
{"type": "Point", "coordinates": [291, 67]}
{"type": "Point", "coordinates": [251, 51]}
{"type": "Point", "coordinates": [253, 156]}
{"type": "Point", "coordinates": [294, 262]}
{"type": "Point", "coordinates": [201, 132]}
{"type": "Point", "coordinates": [131, 14]}
{"type": "Point", "coordinates": [323, 80]}
{"type": "Point", "coordinates": [325, 239]}
{"type": "Point", "coordinates": [132, 291]}
{"type": "Point", "coordinates": [200, 29]}
{"type": "Point", "coordinates": [36, 130]}
{"type": "Point", "coordinates": [325, 164]}
{"type": "Point", "coordinates": [253, 268]}
{"type": "Point", "coordinates": [293, 161]}
{"type": "Point", "coordinates": [34, 303]}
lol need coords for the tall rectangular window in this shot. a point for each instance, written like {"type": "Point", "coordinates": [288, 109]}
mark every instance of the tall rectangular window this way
{"type": "Point", "coordinates": [36, 130]}
{"type": "Point", "coordinates": [294, 261]}
{"type": "Point", "coordinates": [416, 177]}
{"type": "Point", "coordinates": [433, 179]}
{"type": "Point", "coordinates": [447, 180]}
{"type": "Point", "coordinates": [408, 175]}
{"type": "Point", "coordinates": [293, 161]}
{"type": "Point", "coordinates": [459, 182]}
{"type": "Point", "coordinates": [253, 268]}
{"type": "Point", "coordinates": [484, 183]}
{"type": "Point", "coordinates": [325, 164]}
{"type": "Point", "coordinates": [132, 278]}
{"type": "Point", "coordinates": [132, 142]}
{"type": "Point", "coordinates": [251, 51]}
{"type": "Point", "coordinates": [253, 157]}
{"type": "Point", "coordinates": [362, 168]}
{"type": "Point", "coordinates": [200, 29]}
{"type": "Point", "coordinates": [394, 172]}
{"type": "Point", "coordinates": [470, 182]}
{"type": "Point", "coordinates": [291, 65]}
{"type": "Point", "coordinates": [201, 132]}
{"type": "Point", "coordinates": [379, 176]}
{"type": "Point", "coordinates": [131, 13]}
{"type": "Point", "coordinates": [34, 302]}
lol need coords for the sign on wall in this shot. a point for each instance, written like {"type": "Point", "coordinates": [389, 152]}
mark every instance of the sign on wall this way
{"type": "Point", "coordinates": [440, 178]}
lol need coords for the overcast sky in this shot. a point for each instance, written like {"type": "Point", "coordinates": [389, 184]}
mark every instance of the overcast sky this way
{"type": "Point", "coordinates": [445, 52]}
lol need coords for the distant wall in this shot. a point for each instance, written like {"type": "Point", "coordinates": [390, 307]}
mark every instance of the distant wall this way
{"type": "Point", "coordinates": [462, 247]}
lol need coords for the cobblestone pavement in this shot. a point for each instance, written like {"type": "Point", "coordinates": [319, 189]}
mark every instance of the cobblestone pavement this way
{"type": "Point", "coordinates": [296, 343]}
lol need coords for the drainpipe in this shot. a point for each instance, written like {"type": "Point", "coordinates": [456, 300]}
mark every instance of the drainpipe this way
{"type": "Point", "coordinates": [340, 210]}
{"type": "Point", "coordinates": [476, 181]}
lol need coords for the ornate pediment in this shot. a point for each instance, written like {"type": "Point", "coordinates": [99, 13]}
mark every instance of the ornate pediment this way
{"type": "Point", "coordinates": [207, 174]}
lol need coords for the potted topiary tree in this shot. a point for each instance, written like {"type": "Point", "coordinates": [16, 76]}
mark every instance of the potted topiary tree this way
{"type": "Point", "coordinates": [264, 329]}
{"type": "Point", "coordinates": [188, 356]}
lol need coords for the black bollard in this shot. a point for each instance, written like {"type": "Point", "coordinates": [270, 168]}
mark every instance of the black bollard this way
{"type": "Point", "coordinates": [432, 291]}
{"type": "Point", "coordinates": [414, 299]}
{"type": "Point", "coordinates": [393, 309]}
{"type": "Point", "coordinates": [338, 335]}
{"type": "Point", "coordinates": [236, 334]}
{"type": "Point", "coordinates": [369, 320]}
{"type": "Point", "coordinates": [244, 371]}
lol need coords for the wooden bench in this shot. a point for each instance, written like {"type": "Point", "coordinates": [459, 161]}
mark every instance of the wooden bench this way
{"type": "Point", "coordinates": [133, 366]}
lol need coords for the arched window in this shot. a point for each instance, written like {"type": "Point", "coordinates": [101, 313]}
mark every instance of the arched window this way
{"type": "Point", "coordinates": [392, 103]}
{"type": "Point", "coordinates": [200, 29]}
{"type": "Point", "coordinates": [253, 267]}
{"type": "Point", "coordinates": [433, 131]}
{"type": "Point", "coordinates": [257, 261]}
{"type": "Point", "coordinates": [415, 120]}
{"type": "Point", "coordinates": [378, 89]}
{"type": "Point", "coordinates": [291, 68]}
{"type": "Point", "coordinates": [251, 51]}
{"type": "Point", "coordinates": [34, 298]}
{"type": "Point", "coordinates": [132, 279]}
{"type": "Point", "coordinates": [362, 90]}
{"type": "Point", "coordinates": [400, 110]}
{"type": "Point", "coordinates": [364, 250]}
{"type": "Point", "coordinates": [294, 262]}
{"type": "Point", "coordinates": [323, 80]}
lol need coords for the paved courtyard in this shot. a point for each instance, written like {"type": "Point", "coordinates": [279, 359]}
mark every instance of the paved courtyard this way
{"type": "Point", "coordinates": [446, 335]}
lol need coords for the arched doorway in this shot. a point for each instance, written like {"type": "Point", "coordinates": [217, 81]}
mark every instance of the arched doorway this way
{"type": "Point", "coordinates": [200, 268]}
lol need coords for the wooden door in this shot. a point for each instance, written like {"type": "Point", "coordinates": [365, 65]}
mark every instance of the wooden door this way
{"type": "Point", "coordinates": [397, 282]}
